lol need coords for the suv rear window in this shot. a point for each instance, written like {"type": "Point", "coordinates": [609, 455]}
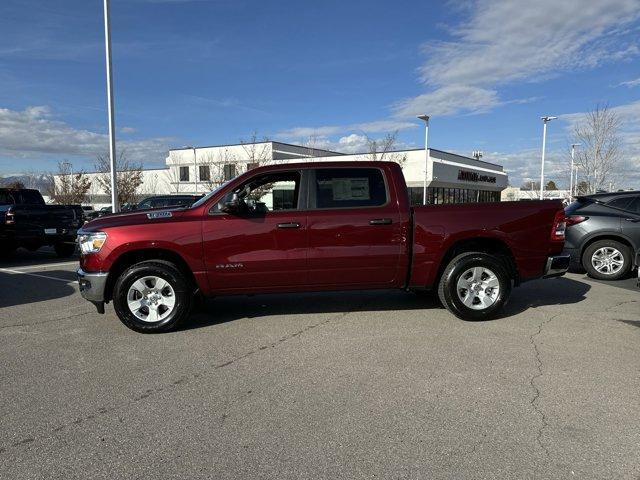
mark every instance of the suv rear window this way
{"type": "Point", "coordinates": [578, 204]}
{"type": "Point", "coordinates": [349, 187]}
{"type": "Point", "coordinates": [620, 202]}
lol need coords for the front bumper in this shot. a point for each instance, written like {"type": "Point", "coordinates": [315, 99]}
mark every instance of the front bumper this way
{"type": "Point", "coordinates": [557, 265]}
{"type": "Point", "coordinates": [92, 287]}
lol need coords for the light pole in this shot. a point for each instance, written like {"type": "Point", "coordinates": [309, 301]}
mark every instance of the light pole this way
{"type": "Point", "coordinates": [195, 170]}
{"type": "Point", "coordinates": [425, 118]}
{"type": "Point", "coordinates": [115, 206]}
{"type": "Point", "coordinates": [571, 183]}
{"type": "Point", "coordinates": [545, 120]}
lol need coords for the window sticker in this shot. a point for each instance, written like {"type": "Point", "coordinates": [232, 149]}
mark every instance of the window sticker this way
{"type": "Point", "coordinates": [351, 189]}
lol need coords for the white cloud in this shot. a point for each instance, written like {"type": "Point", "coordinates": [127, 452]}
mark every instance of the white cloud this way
{"type": "Point", "coordinates": [630, 83]}
{"type": "Point", "coordinates": [501, 42]}
{"type": "Point", "coordinates": [449, 100]}
{"type": "Point", "coordinates": [525, 165]}
{"type": "Point", "coordinates": [128, 130]}
{"type": "Point", "coordinates": [379, 126]}
{"type": "Point", "coordinates": [34, 132]}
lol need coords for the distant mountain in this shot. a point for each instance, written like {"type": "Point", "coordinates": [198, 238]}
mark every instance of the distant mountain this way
{"type": "Point", "coordinates": [37, 181]}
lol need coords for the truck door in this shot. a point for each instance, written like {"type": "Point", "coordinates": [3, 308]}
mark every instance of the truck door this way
{"type": "Point", "coordinates": [355, 229]}
{"type": "Point", "coordinates": [263, 247]}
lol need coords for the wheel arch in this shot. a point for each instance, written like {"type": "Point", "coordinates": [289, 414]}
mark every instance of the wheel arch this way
{"type": "Point", "coordinates": [132, 257]}
{"type": "Point", "coordinates": [618, 237]}
{"type": "Point", "coordinates": [488, 245]}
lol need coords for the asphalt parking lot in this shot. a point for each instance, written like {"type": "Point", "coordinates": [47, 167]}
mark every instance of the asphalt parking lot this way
{"type": "Point", "coordinates": [332, 385]}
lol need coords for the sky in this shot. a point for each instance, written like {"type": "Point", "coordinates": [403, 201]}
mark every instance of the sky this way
{"type": "Point", "coordinates": [208, 72]}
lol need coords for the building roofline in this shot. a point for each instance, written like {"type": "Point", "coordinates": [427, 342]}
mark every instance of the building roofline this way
{"type": "Point", "coordinates": [255, 143]}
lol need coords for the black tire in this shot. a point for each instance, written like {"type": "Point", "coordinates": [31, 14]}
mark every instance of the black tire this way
{"type": "Point", "coordinates": [64, 250]}
{"type": "Point", "coordinates": [624, 251]}
{"type": "Point", "coordinates": [182, 288]}
{"type": "Point", "coordinates": [447, 288]}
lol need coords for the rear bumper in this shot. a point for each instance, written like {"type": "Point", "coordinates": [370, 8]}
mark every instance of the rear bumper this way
{"type": "Point", "coordinates": [557, 265]}
{"type": "Point", "coordinates": [92, 285]}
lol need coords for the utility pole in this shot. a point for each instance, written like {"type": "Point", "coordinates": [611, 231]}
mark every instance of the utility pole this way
{"type": "Point", "coordinates": [545, 120]}
{"type": "Point", "coordinates": [115, 206]}
{"type": "Point", "coordinates": [571, 183]}
{"type": "Point", "coordinates": [195, 171]}
{"type": "Point", "coordinates": [425, 118]}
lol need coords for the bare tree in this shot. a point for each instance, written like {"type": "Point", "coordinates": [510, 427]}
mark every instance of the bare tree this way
{"type": "Point", "coordinates": [257, 152]}
{"type": "Point", "coordinates": [383, 149]}
{"type": "Point", "coordinates": [67, 187]}
{"type": "Point", "coordinates": [128, 177]}
{"type": "Point", "coordinates": [599, 152]}
{"type": "Point", "coordinates": [220, 167]}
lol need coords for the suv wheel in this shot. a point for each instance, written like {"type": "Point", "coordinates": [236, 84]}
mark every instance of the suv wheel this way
{"type": "Point", "coordinates": [475, 286]}
{"type": "Point", "coordinates": [607, 260]}
{"type": "Point", "coordinates": [152, 296]}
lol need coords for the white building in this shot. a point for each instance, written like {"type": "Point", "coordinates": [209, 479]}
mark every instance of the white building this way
{"type": "Point", "coordinates": [451, 178]}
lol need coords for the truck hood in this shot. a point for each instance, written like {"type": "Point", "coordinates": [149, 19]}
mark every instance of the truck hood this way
{"type": "Point", "coordinates": [137, 217]}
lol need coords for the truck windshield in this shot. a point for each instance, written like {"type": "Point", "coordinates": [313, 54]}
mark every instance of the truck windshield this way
{"type": "Point", "coordinates": [210, 194]}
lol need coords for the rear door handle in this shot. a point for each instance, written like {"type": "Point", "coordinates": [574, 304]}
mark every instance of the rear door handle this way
{"type": "Point", "coordinates": [380, 221]}
{"type": "Point", "coordinates": [289, 225]}
{"type": "Point", "coordinates": [634, 220]}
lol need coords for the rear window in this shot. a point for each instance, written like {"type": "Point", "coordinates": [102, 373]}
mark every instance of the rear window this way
{"type": "Point", "coordinates": [634, 206]}
{"type": "Point", "coordinates": [350, 187]}
{"type": "Point", "coordinates": [6, 198]}
{"type": "Point", "coordinates": [620, 202]}
{"type": "Point", "coordinates": [573, 207]}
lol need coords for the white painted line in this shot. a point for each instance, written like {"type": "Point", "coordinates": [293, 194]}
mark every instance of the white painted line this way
{"type": "Point", "coordinates": [18, 272]}
{"type": "Point", "coordinates": [46, 265]}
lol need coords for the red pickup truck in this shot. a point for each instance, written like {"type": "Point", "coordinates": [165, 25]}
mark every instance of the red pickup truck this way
{"type": "Point", "coordinates": [316, 226]}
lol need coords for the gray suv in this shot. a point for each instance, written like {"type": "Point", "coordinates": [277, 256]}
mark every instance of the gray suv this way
{"type": "Point", "coordinates": [603, 233]}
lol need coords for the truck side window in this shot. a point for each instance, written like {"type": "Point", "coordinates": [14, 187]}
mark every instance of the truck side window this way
{"type": "Point", "coordinates": [349, 187]}
{"type": "Point", "coordinates": [268, 193]}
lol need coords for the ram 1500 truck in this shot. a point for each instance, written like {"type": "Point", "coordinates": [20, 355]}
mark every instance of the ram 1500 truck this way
{"type": "Point", "coordinates": [27, 221]}
{"type": "Point", "coordinates": [316, 226]}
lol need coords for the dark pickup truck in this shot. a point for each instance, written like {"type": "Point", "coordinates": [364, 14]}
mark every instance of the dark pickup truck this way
{"type": "Point", "coordinates": [316, 226]}
{"type": "Point", "coordinates": [27, 221]}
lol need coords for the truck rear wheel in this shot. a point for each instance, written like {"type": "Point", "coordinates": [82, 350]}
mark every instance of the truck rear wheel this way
{"type": "Point", "coordinates": [152, 296]}
{"type": "Point", "coordinates": [475, 286]}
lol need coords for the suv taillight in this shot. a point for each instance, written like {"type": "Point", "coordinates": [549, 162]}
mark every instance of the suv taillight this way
{"type": "Point", "coordinates": [575, 219]}
{"type": "Point", "coordinates": [559, 227]}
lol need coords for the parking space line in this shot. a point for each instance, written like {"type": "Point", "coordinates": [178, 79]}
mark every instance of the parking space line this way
{"type": "Point", "coordinates": [45, 265]}
{"type": "Point", "coordinates": [18, 272]}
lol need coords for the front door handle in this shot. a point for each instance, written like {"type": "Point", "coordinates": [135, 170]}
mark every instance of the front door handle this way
{"type": "Point", "coordinates": [289, 225]}
{"type": "Point", "coordinates": [634, 220]}
{"type": "Point", "coordinates": [380, 221]}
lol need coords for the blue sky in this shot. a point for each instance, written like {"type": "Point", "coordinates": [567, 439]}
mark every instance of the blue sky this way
{"type": "Point", "coordinates": [330, 72]}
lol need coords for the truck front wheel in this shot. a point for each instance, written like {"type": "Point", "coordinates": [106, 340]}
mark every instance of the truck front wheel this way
{"type": "Point", "coordinates": [152, 296]}
{"type": "Point", "coordinates": [475, 286]}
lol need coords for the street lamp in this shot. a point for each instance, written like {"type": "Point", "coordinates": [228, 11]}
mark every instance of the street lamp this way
{"type": "Point", "coordinates": [425, 118]}
{"type": "Point", "coordinates": [195, 170]}
{"type": "Point", "coordinates": [115, 206]}
{"type": "Point", "coordinates": [571, 182]}
{"type": "Point", "coordinates": [545, 120]}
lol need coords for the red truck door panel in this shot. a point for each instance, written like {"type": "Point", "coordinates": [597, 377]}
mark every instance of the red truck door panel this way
{"type": "Point", "coordinates": [263, 248]}
{"type": "Point", "coordinates": [355, 231]}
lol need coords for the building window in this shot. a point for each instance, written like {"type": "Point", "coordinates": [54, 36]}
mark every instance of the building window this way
{"type": "Point", "coordinates": [184, 174]}
{"type": "Point", "coordinates": [251, 166]}
{"type": "Point", "coordinates": [205, 174]}
{"type": "Point", "coordinates": [229, 171]}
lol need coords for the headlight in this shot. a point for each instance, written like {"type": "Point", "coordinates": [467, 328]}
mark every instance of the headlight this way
{"type": "Point", "coordinates": [91, 242]}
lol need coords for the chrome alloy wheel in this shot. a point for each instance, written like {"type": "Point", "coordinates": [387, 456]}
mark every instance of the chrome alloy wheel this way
{"type": "Point", "coordinates": [151, 299]}
{"type": "Point", "coordinates": [607, 260]}
{"type": "Point", "coordinates": [478, 288]}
